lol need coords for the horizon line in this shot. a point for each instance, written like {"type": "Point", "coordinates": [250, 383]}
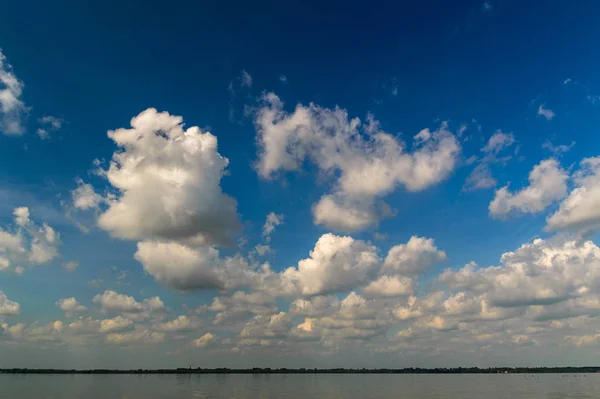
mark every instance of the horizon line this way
{"type": "Point", "coordinates": [303, 370]}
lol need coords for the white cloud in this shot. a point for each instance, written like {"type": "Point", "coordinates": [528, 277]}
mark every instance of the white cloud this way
{"type": "Point", "coordinates": [43, 133]}
{"type": "Point", "coordinates": [246, 79]}
{"type": "Point", "coordinates": [273, 220]}
{"type": "Point", "coordinates": [352, 318]}
{"type": "Point", "coordinates": [389, 286]}
{"type": "Point", "coordinates": [49, 123]}
{"type": "Point", "coordinates": [140, 336]}
{"type": "Point", "coordinates": [8, 307]}
{"type": "Point", "coordinates": [314, 306]}
{"type": "Point", "coordinates": [336, 264]}
{"type": "Point", "coordinates": [113, 302]}
{"type": "Point", "coordinates": [414, 257]}
{"type": "Point", "coordinates": [274, 326]}
{"type": "Point", "coordinates": [241, 304]}
{"type": "Point", "coordinates": [179, 324]}
{"type": "Point", "coordinates": [487, 6]}
{"type": "Point", "coordinates": [547, 183]}
{"type": "Point", "coordinates": [35, 333]}
{"type": "Point", "coordinates": [168, 183]}
{"type": "Point", "coordinates": [85, 197]}
{"type": "Point", "coordinates": [204, 341]}
{"type": "Point", "coordinates": [22, 216]}
{"type": "Point", "coordinates": [70, 306]}
{"type": "Point", "coordinates": [283, 79]}
{"type": "Point", "coordinates": [185, 268]}
{"type": "Point", "coordinates": [580, 211]}
{"type": "Point", "coordinates": [344, 213]}
{"type": "Point", "coordinates": [84, 326]}
{"type": "Point", "coordinates": [368, 161]}
{"type": "Point", "coordinates": [539, 273]}
{"type": "Point", "coordinates": [27, 243]}
{"type": "Point", "coordinates": [71, 265]}
{"type": "Point", "coordinates": [12, 108]}
{"type": "Point", "coordinates": [52, 121]}
{"type": "Point", "coordinates": [545, 112]}
{"type": "Point", "coordinates": [115, 325]}
{"type": "Point", "coordinates": [262, 249]}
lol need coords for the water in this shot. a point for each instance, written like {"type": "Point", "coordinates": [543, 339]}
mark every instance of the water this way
{"type": "Point", "coordinates": [303, 386]}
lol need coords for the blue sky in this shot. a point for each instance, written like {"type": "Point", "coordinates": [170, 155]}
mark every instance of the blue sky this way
{"type": "Point", "coordinates": [505, 90]}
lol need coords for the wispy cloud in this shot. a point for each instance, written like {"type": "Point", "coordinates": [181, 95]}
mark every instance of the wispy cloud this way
{"type": "Point", "coordinates": [12, 108]}
{"type": "Point", "coordinates": [246, 79]}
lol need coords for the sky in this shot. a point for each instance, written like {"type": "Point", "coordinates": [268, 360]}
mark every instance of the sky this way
{"type": "Point", "coordinates": [319, 185]}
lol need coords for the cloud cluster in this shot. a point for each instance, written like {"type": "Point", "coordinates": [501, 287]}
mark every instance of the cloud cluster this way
{"type": "Point", "coordinates": [26, 243]}
{"type": "Point", "coordinates": [340, 264]}
{"type": "Point", "coordinates": [543, 293]}
{"type": "Point", "coordinates": [368, 163]}
{"type": "Point", "coordinates": [48, 124]}
{"type": "Point", "coordinates": [111, 302]}
{"type": "Point", "coordinates": [164, 192]}
{"type": "Point", "coordinates": [70, 306]}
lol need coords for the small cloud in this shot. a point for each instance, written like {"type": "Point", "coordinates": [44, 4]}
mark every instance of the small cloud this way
{"type": "Point", "coordinates": [273, 220]}
{"type": "Point", "coordinates": [49, 124]}
{"type": "Point", "coordinates": [486, 6]}
{"type": "Point", "coordinates": [246, 79]}
{"type": "Point", "coordinates": [54, 122]}
{"type": "Point", "coordinates": [96, 283]}
{"type": "Point", "coordinates": [545, 112]}
{"type": "Point", "coordinates": [395, 91]}
{"type": "Point", "coordinates": [43, 134]}
{"type": "Point", "coordinates": [379, 236]}
{"type": "Point", "coordinates": [71, 265]}
{"type": "Point", "coordinates": [567, 81]}
{"type": "Point", "coordinates": [262, 249]}
{"type": "Point", "coordinates": [283, 79]}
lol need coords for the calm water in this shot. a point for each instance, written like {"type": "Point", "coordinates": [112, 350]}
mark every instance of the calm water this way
{"type": "Point", "coordinates": [299, 386]}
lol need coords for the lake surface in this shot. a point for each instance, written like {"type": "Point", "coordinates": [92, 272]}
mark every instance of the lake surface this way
{"type": "Point", "coordinates": [300, 386]}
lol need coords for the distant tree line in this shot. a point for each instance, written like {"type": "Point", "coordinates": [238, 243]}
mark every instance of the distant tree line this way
{"type": "Point", "coordinates": [257, 370]}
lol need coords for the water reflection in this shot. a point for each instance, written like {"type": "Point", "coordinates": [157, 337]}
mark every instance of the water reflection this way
{"type": "Point", "coordinates": [306, 386]}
